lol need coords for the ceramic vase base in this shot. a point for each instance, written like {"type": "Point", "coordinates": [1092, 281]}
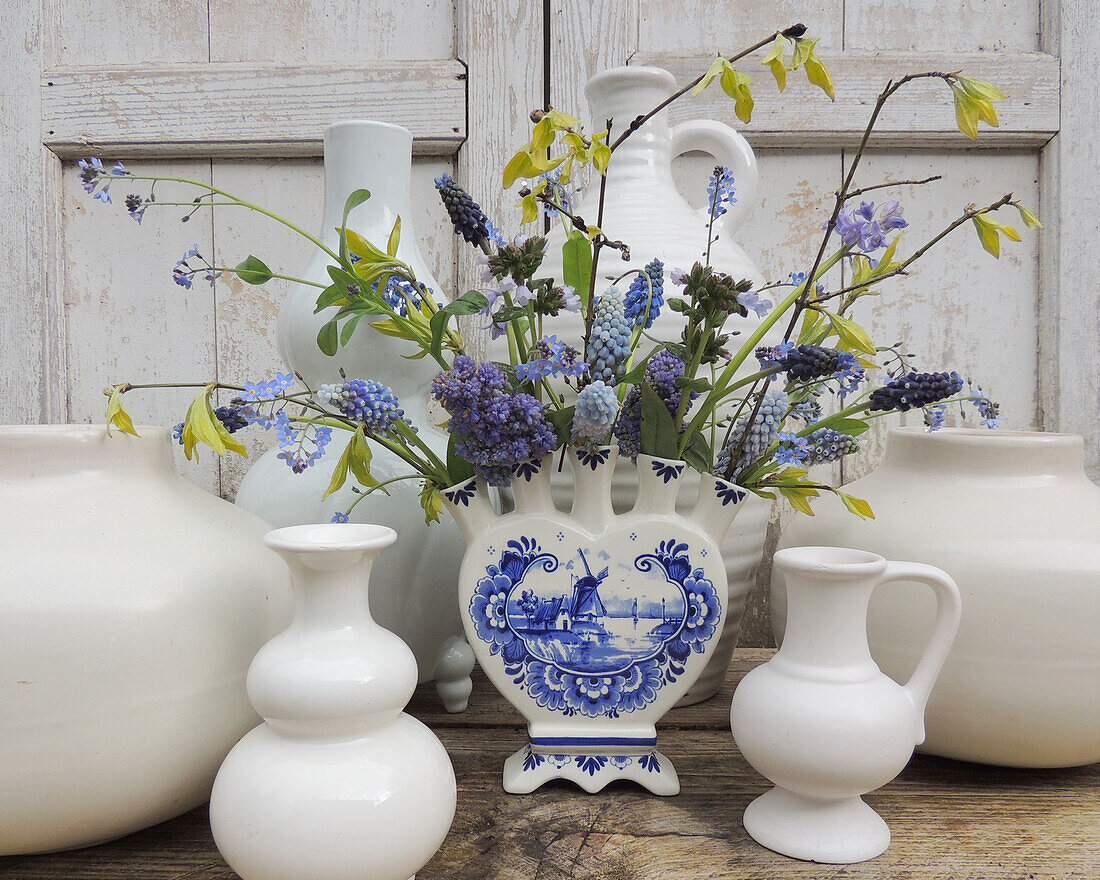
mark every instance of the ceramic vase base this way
{"type": "Point", "coordinates": [530, 768]}
{"type": "Point", "coordinates": [834, 832]}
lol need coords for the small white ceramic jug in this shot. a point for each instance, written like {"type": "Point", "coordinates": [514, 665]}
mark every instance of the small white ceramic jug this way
{"type": "Point", "coordinates": [821, 720]}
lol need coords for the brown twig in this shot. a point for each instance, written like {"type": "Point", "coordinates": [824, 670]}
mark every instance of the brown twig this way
{"type": "Point", "coordinates": [867, 189]}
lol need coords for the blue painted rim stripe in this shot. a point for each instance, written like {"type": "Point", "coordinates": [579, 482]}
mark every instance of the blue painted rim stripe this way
{"type": "Point", "coordinates": [586, 741]}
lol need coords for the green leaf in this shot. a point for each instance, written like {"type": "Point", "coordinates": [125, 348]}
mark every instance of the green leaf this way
{"type": "Point", "coordinates": [802, 50]}
{"type": "Point", "coordinates": [431, 501]}
{"type": "Point", "coordinates": [348, 329]}
{"type": "Point", "coordinates": [983, 94]}
{"type": "Point", "coordinates": [200, 425]}
{"type": "Point", "coordinates": [857, 506]}
{"type": "Point", "coordinates": [700, 383]}
{"type": "Point", "coordinates": [340, 475]}
{"type": "Point", "coordinates": [987, 234]}
{"type": "Point", "coordinates": [469, 303]}
{"type": "Point", "coordinates": [253, 271]}
{"type": "Point", "coordinates": [360, 461]}
{"type": "Point", "coordinates": [716, 67]}
{"type": "Point", "coordinates": [601, 157]}
{"type": "Point", "coordinates": [354, 200]}
{"type": "Point", "coordinates": [818, 74]}
{"type": "Point", "coordinates": [520, 165]}
{"type": "Point", "coordinates": [798, 499]}
{"type": "Point", "coordinates": [562, 420]}
{"type": "Point", "coordinates": [1029, 217]}
{"type": "Point", "coordinates": [851, 427]}
{"type": "Point", "coordinates": [117, 416]}
{"type": "Point", "coordinates": [368, 254]}
{"type": "Point", "coordinates": [851, 335]}
{"type": "Point", "coordinates": [576, 256]}
{"type": "Point", "coordinates": [333, 295]}
{"type": "Point", "coordinates": [736, 85]}
{"type": "Point", "coordinates": [658, 428]}
{"type": "Point", "coordinates": [966, 113]}
{"type": "Point", "coordinates": [698, 453]}
{"type": "Point", "coordinates": [395, 239]}
{"type": "Point", "coordinates": [328, 338]}
{"type": "Point", "coordinates": [774, 60]}
{"type": "Point", "coordinates": [458, 468]}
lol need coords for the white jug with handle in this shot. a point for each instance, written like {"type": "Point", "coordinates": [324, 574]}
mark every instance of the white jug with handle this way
{"type": "Point", "coordinates": [820, 719]}
{"type": "Point", "coordinates": [643, 207]}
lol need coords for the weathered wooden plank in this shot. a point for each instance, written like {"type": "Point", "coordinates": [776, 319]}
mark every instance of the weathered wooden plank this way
{"type": "Point", "coordinates": [246, 109]}
{"type": "Point", "coordinates": [975, 26]}
{"type": "Point", "coordinates": [586, 38]}
{"type": "Point", "coordinates": [920, 115]}
{"type": "Point", "coordinates": [1069, 309]}
{"type": "Point", "coordinates": [693, 26]}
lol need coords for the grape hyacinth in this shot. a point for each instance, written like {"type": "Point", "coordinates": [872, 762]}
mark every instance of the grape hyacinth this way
{"type": "Point", "coordinates": [661, 372]}
{"type": "Point", "coordinates": [720, 191]}
{"type": "Point", "coordinates": [366, 401]}
{"type": "Point", "coordinates": [594, 414]}
{"type": "Point", "coordinates": [398, 292]}
{"type": "Point", "coordinates": [609, 343]}
{"type": "Point", "coordinates": [827, 445]}
{"type": "Point", "coordinates": [495, 429]}
{"type": "Point", "coordinates": [915, 390]}
{"type": "Point", "coordinates": [638, 304]}
{"type": "Point", "coordinates": [757, 437]}
{"type": "Point", "coordinates": [553, 357]}
{"type": "Point", "coordinates": [466, 215]}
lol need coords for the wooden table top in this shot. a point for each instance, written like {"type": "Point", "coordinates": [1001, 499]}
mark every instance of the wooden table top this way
{"type": "Point", "coordinates": [950, 820]}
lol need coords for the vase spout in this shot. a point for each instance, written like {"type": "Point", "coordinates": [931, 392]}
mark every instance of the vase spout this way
{"type": "Point", "coordinates": [718, 504]}
{"type": "Point", "coordinates": [469, 504]}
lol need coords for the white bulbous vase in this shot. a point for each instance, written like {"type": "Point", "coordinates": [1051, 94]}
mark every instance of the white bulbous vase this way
{"type": "Point", "coordinates": [131, 602]}
{"type": "Point", "coordinates": [414, 583]}
{"type": "Point", "coordinates": [821, 720]}
{"type": "Point", "coordinates": [338, 782]}
{"type": "Point", "coordinates": [593, 624]}
{"type": "Point", "coordinates": [1013, 518]}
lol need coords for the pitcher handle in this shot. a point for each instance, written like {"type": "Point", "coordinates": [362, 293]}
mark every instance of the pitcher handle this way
{"type": "Point", "coordinates": [730, 149]}
{"type": "Point", "coordinates": [948, 614]}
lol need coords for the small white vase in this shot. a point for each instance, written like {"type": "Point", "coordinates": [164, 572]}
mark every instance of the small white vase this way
{"type": "Point", "coordinates": [130, 605]}
{"type": "Point", "coordinates": [821, 720]}
{"type": "Point", "coordinates": [1013, 518]}
{"type": "Point", "coordinates": [593, 624]}
{"type": "Point", "coordinates": [338, 782]}
{"type": "Point", "coordinates": [414, 582]}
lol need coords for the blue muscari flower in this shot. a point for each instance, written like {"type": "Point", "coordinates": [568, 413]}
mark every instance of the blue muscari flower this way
{"type": "Point", "coordinates": [396, 291]}
{"type": "Point", "coordinates": [827, 445]}
{"type": "Point", "coordinates": [554, 357]}
{"type": "Point", "coordinates": [609, 342]}
{"type": "Point", "coordinates": [758, 436]}
{"type": "Point", "coordinates": [809, 411]}
{"type": "Point", "coordinates": [792, 449]}
{"type": "Point", "coordinates": [340, 517]}
{"type": "Point", "coordinates": [915, 390]}
{"type": "Point", "coordinates": [720, 191]}
{"type": "Point", "coordinates": [638, 303]}
{"type": "Point", "coordinates": [661, 372]}
{"type": "Point", "coordinates": [466, 215]}
{"type": "Point", "coordinates": [366, 401]}
{"type": "Point", "coordinates": [256, 391]}
{"type": "Point", "coordinates": [495, 429]}
{"type": "Point", "coordinates": [595, 412]}
{"type": "Point", "coordinates": [773, 355]}
{"type": "Point", "coordinates": [935, 416]}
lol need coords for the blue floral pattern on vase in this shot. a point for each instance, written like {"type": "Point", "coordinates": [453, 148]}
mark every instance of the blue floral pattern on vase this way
{"type": "Point", "coordinates": [667, 470]}
{"type": "Point", "coordinates": [580, 651]}
{"type": "Point", "coordinates": [527, 469]}
{"type": "Point", "coordinates": [729, 493]}
{"type": "Point", "coordinates": [462, 494]}
{"type": "Point", "coordinates": [591, 764]}
{"type": "Point", "coordinates": [593, 458]}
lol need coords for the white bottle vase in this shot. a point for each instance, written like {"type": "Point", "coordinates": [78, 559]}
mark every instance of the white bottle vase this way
{"type": "Point", "coordinates": [1013, 518]}
{"type": "Point", "coordinates": [821, 720]}
{"type": "Point", "coordinates": [591, 623]}
{"type": "Point", "coordinates": [413, 584]}
{"type": "Point", "coordinates": [643, 206]}
{"type": "Point", "coordinates": [337, 782]}
{"type": "Point", "coordinates": [130, 605]}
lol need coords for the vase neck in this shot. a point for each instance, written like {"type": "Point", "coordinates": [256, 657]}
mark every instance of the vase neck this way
{"type": "Point", "coordinates": [970, 452]}
{"type": "Point", "coordinates": [375, 156]}
{"type": "Point", "coordinates": [70, 450]}
{"type": "Point", "coordinates": [622, 95]}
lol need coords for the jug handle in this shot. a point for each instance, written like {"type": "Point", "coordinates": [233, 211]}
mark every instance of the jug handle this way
{"type": "Point", "coordinates": [948, 614]}
{"type": "Point", "coordinates": [730, 149]}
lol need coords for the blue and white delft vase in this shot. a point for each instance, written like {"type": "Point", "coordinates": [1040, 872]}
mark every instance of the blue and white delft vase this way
{"type": "Point", "coordinates": [593, 624]}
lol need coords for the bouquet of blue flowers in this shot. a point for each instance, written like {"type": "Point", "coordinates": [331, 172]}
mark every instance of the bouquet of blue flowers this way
{"type": "Point", "coordinates": [745, 410]}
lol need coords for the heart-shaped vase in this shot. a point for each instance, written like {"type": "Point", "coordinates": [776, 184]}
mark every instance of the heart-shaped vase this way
{"type": "Point", "coordinates": [593, 624]}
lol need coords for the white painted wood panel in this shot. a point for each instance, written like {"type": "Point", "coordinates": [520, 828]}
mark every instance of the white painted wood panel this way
{"type": "Point", "coordinates": [586, 38]}
{"type": "Point", "coordinates": [244, 109]}
{"type": "Point", "coordinates": [706, 26]}
{"type": "Point", "coordinates": [966, 26]}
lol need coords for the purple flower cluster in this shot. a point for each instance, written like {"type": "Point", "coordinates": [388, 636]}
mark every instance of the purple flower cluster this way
{"type": "Point", "coordinates": [553, 357]}
{"type": "Point", "coordinates": [642, 306]}
{"type": "Point", "coordinates": [792, 449]}
{"type": "Point", "coordinates": [661, 373]}
{"type": "Point", "coordinates": [94, 179]}
{"type": "Point", "coordinates": [720, 191]}
{"type": "Point", "coordinates": [609, 343]}
{"type": "Point", "coordinates": [302, 448]}
{"type": "Point", "coordinates": [495, 429]}
{"type": "Point", "coordinates": [753, 440]}
{"type": "Point", "coordinates": [594, 414]}
{"type": "Point", "coordinates": [858, 228]}
{"type": "Point", "coordinates": [366, 401]}
{"type": "Point", "coordinates": [915, 390]}
{"type": "Point", "coordinates": [805, 363]}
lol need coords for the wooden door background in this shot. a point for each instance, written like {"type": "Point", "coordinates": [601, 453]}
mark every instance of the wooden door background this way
{"type": "Point", "coordinates": [236, 92]}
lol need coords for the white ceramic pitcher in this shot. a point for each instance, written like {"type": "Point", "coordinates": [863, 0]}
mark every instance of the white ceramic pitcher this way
{"type": "Point", "coordinates": [821, 720]}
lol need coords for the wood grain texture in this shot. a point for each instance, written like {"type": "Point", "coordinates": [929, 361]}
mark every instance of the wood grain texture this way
{"type": "Point", "coordinates": [970, 26]}
{"type": "Point", "coordinates": [586, 38]}
{"type": "Point", "coordinates": [709, 26]}
{"type": "Point", "coordinates": [245, 109]}
{"type": "Point", "coordinates": [949, 820]}
{"type": "Point", "coordinates": [920, 115]}
{"type": "Point", "coordinates": [1069, 317]}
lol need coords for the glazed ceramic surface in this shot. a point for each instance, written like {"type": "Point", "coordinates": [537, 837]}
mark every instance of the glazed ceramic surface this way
{"type": "Point", "coordinates": [593, 624]}
{"type": "Point", "coordinates": [338, 782]}
{"type": "Point", "coordinates": [130, 605]}
{"type": "Point", "coordinates": [1013, 518]}
{"type": "Point", "coordinates": [820, 720]}
{"type": "Point", "coordinates": [413, 583]}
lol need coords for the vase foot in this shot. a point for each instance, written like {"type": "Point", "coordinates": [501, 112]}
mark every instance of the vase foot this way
{"type": "Point", "coordinates": [836, 832]}
{"type": "Point", "coordinates": [452, 674]}
{"type": "Point", "coordinates": [528, 769]}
